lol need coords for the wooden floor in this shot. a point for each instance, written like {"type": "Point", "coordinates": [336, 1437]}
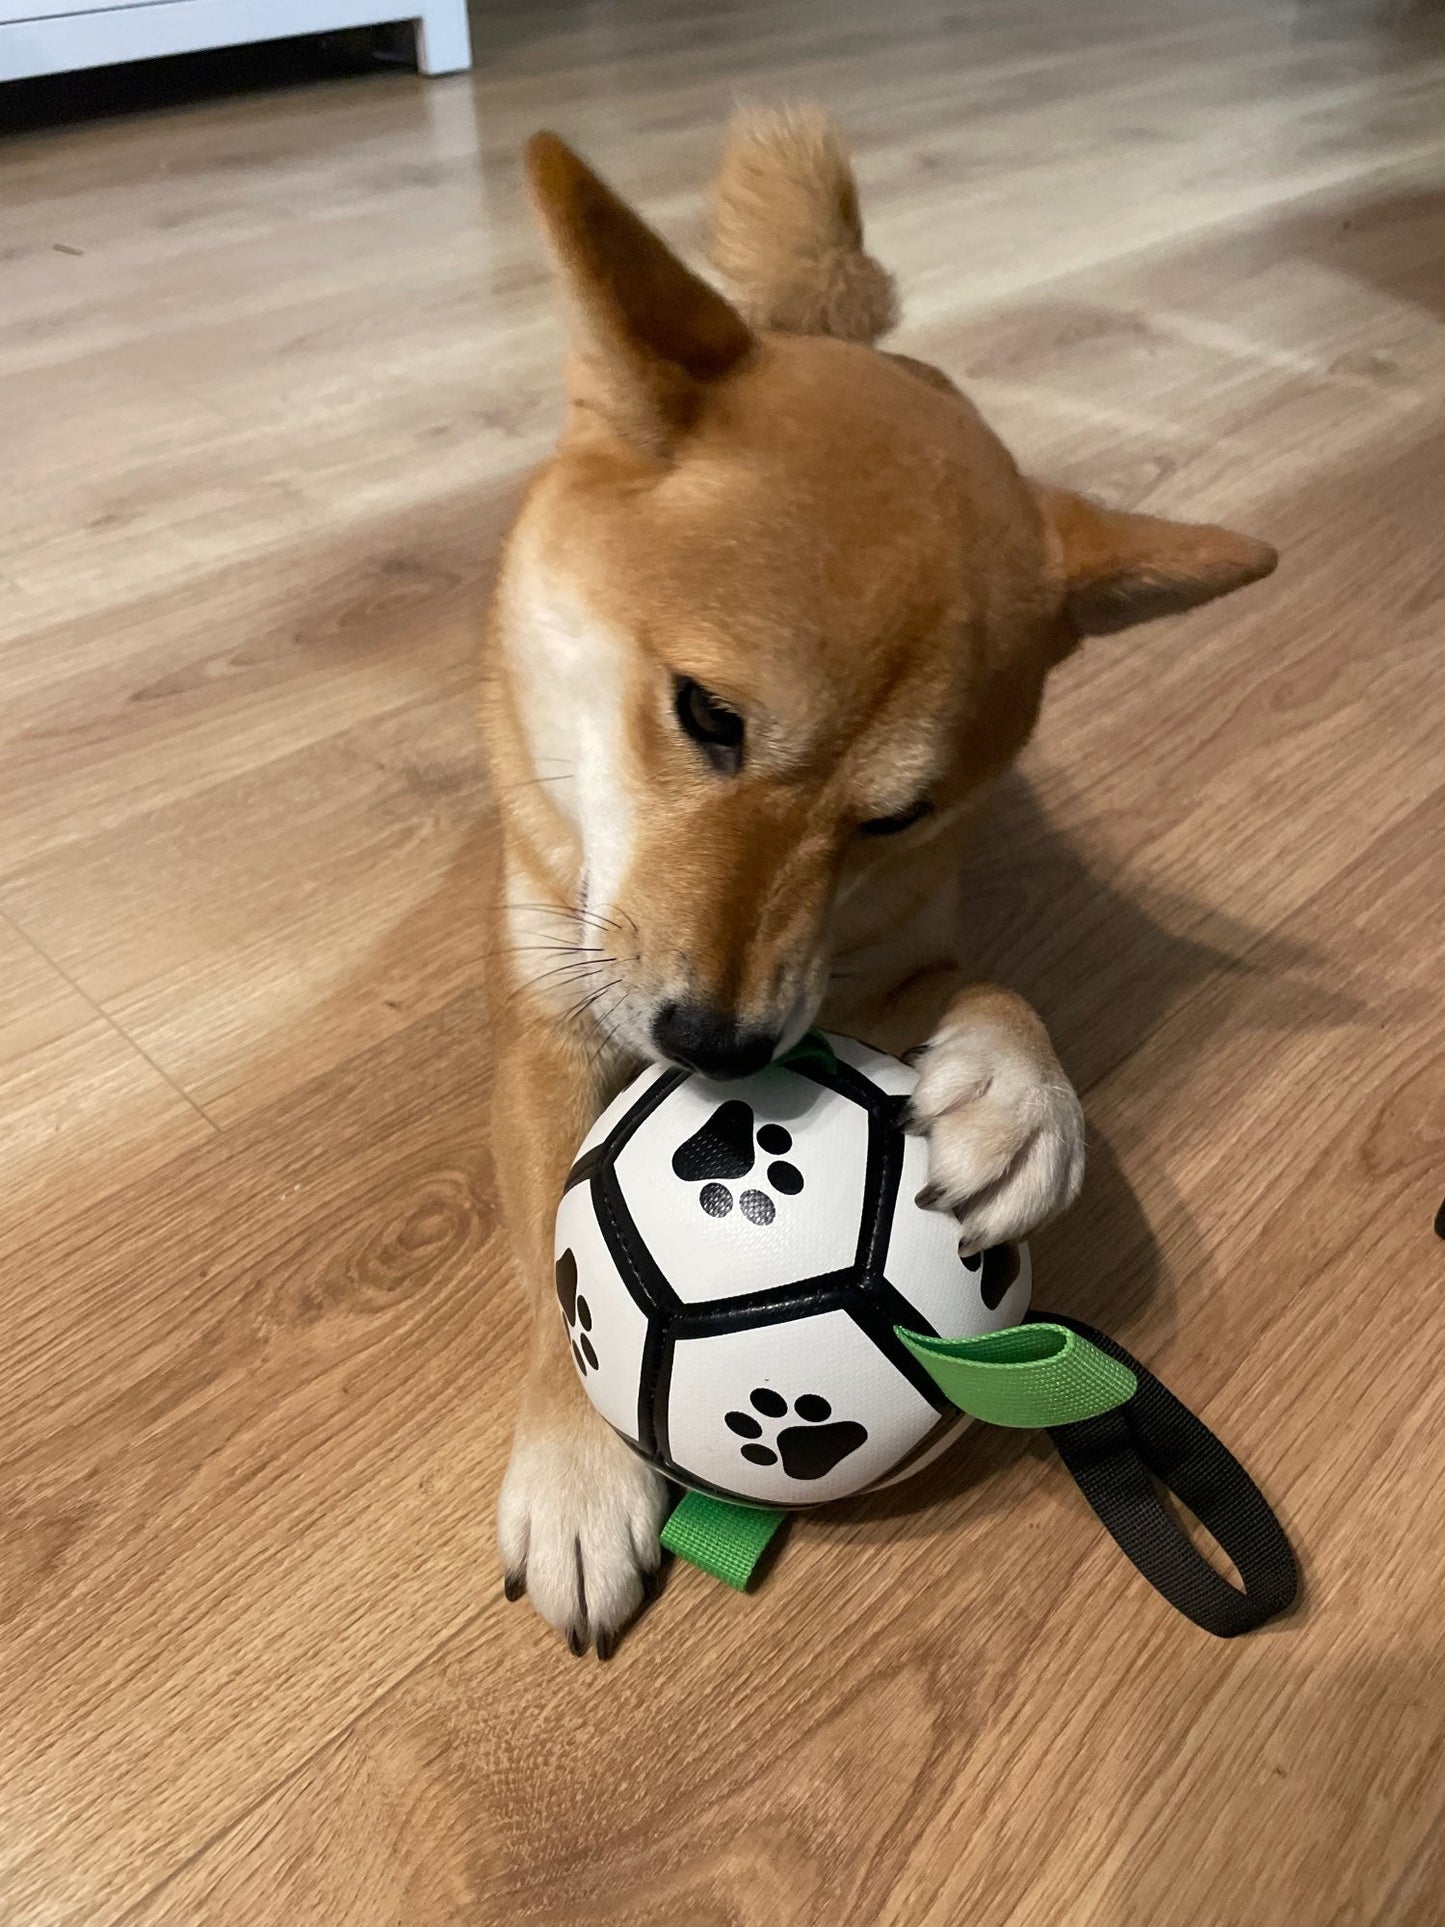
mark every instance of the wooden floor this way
{"type": "Point", "coordinates": [270, 369]}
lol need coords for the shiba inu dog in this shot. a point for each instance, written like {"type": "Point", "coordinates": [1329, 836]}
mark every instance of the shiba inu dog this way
{"type": "Point", "coordinates": [767, 625]}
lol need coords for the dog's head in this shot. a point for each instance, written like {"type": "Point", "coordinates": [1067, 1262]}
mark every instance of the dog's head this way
{"type": "Point", "coordinates": [783, 601]}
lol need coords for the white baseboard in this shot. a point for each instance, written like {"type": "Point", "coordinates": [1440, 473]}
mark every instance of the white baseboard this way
{"type": "Point", "coordinates": [45, 41]}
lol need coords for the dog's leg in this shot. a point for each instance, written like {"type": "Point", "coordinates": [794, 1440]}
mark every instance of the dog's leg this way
{"type": "Point", "coordinates": [580, 1514]}
{"type": "Point", "coordinates": [1004, 1127]}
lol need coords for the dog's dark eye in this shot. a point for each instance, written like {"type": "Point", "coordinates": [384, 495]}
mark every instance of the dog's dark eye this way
{"type": "Point", "coordinates": [892, 825]}
{"type": "Point", "coordinates": [715, 728]}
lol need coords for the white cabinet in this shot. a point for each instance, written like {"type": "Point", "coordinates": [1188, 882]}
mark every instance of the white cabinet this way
{"type": "Point", "coordinates": [57, 36]}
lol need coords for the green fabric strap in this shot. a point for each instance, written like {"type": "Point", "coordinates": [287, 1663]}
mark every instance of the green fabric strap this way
{"type": "Point", "coordinates": [725, 1539]}
{"type": "Point", "coordinates": [1030, 1376]}
{"type": "Point", "coordinates": [812, 1049]}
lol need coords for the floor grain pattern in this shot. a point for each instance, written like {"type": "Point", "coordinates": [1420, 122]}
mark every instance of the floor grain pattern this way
{"type": "Point", "coordinates": [272, 368]}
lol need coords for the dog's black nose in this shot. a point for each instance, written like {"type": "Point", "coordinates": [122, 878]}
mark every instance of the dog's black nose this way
{"type": "Point", "coordinates": [711, 1042]}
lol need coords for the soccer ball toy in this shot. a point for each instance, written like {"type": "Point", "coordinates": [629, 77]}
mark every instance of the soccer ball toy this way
{"type": "Point", "coordinates": [756, 1303]}
{"type": "Point", "coordinates": [734, 1262]}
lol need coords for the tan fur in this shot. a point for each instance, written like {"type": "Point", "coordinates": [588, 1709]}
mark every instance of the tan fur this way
{"type": "Point", "coordinates": [832, 541]}
{"type": "Point", "coordinates": [788, 231]}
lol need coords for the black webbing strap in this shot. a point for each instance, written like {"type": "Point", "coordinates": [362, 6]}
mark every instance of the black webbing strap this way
{"type": "Point", "coordinates": [1115, 1460]}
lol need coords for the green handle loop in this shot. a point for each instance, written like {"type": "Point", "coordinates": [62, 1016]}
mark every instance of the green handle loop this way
{"type": "Point", "coordinates": [721, 1536]}
{"type": "Point", "coordinates": [812, 1048]}
{"type": "Point", "coordinates": [1029, 1376]}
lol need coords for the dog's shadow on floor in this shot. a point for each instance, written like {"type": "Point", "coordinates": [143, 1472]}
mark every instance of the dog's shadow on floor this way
{"type": "Point", "coordinates": [1105, 964]}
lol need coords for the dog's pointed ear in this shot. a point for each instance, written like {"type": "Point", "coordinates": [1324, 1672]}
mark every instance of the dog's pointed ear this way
{"type": "Point", "coordinates": [648, 335]}
{"type": "Point", "coordinates": [1120, 569]}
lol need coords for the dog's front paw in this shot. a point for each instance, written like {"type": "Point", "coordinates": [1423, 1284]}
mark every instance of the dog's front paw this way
{"type": "Point", "coordinates": [578, 1524]}
{"type": "Point", "coordinates": [1005, 1130]}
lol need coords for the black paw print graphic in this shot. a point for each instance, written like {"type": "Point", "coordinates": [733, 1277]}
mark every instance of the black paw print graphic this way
{"type": "Point", "coordinates": [997, 1268]}
{"type": "Point", "coordinates": [809, 1450]}
{"type": "Point", "coordinates": [577, 1312]}
{"type": "Point", "coordinates": [725, 1147]}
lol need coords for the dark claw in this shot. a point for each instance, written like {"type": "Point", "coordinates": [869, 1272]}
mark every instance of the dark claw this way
{"type": "Point", "coordinates": [513, 1586]}
{"type": "Point", "coordinates": [929, 1198]}
{"type": "Point", "coordinates": [606, 1644]}
{"type": "Point", "coordinates": [576, 1641]}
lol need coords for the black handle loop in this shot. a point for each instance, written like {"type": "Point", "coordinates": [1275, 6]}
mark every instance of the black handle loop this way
{"type": "Point", "coordinates": [1115, 1458]}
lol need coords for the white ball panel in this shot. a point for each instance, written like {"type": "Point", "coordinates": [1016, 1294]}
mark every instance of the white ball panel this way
{"type": "Point", "coordinates": [824, 1357]}
{"type": "Point", "coordinates": [618, 1328]}
{"type": "Point", "coordinates": [811, 1231]}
